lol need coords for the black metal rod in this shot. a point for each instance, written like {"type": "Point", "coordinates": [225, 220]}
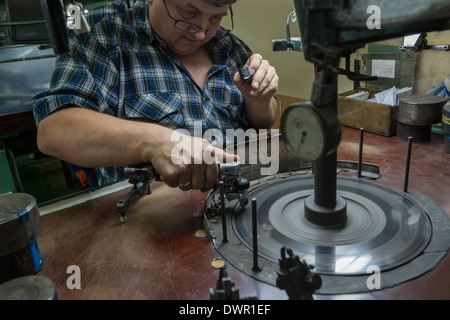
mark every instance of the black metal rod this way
{"type": "Point", "coordinates": [325, 208]}
{"type": "Point", "coordinates": [361, 143]}
{"type": "Point", "coordinates": [224, 218]}
{"type": "Point", "coordinates": [408, 162]}
{"type": "Point", "coordinates": [255, 236]}
{"type": "Point", "coordinates": [325, 184]}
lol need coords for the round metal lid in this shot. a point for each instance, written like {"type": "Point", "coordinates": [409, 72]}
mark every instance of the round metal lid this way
{"type": "Point", "coordinates": [422, 99]}
{"type": "Point", "coordinates": [420, 110]}
{"type": "Point", "coordinates": [12, 205]}
{"type": "Point", "coordinates": [20, 222]}
{"type": "Point", "coordinates": [28, 288]}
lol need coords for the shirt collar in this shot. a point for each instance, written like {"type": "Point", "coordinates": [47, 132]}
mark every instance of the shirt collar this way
{"type": "Point", "coordinates": [219, 48]}
{"type": "Point", "coordinates": [142, 25]}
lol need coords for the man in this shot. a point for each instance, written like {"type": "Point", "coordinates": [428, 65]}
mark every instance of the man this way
{"type": "Point", "coordinates": [119, 97]}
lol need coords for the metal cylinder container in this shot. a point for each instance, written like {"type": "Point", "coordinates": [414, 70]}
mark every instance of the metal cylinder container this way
{"type": "Point", "coordinates": [416, 114]}
{"type": "Point", "coordinates": [20, 226]}
{"type": "Point", "coordinates": [446, 118]}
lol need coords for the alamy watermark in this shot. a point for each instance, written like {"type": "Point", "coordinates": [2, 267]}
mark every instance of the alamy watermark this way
{"type": "Point", "coordinates": [74, 280]}
{"type": "Point", "coordinates": [73, 17]}
{"type": "Point", "coordinates": [374, 21]}
{"type": "Point", "coordinates": [262, 150]}
{"type": "Point", "coordinates": [373, 282]}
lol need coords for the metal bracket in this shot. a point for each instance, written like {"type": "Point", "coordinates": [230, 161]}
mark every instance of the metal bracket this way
{"type": "Point", "coordinates": [140, 176]}
{"type": "Point", "coordinates": [296, 278]}
{"type": "Point", "coordinates": [235, 187]}
{"type": "Point", "coordinates": [225, 288]}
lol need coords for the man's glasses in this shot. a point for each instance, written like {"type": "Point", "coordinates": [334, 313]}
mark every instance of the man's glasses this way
{"type": "Point", "coordinates": [193, 28]}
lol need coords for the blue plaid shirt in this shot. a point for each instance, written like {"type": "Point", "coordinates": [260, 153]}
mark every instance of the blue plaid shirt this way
{"type": "Point", "coordinates": [123, 68]}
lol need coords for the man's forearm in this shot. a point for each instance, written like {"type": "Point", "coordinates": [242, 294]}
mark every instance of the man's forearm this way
{"type": "Point", "coordinates": [261, 115]}
{"type": "Point", "coordinates": [91, 139]}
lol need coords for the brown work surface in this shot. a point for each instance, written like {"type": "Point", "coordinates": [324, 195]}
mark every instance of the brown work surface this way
{"type": "Point", "coordinates": [156, 256]}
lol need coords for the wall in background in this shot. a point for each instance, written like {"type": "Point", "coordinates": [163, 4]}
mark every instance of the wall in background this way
{"type": "Point", "coordinates": [258, 22]}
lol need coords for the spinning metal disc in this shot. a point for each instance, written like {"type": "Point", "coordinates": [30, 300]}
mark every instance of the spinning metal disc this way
{"type": "Point", "coordinates": [403, 234]}
{"type": "Point", "coordinates": [383, 228]}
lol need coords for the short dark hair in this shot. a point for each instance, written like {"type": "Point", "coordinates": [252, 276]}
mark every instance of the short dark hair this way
{"type": "Point", "coordinates": [220, 3]}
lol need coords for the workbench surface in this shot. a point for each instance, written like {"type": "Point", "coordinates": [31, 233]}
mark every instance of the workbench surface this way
{"type": "Point", "coordinates": [154, 255]}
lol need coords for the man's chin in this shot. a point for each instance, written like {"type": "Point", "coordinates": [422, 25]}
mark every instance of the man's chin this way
{"type": "Point", "coordinates": [187, 47]}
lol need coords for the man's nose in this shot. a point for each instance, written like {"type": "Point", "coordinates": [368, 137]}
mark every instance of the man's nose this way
{"type": "Point", "coordinates": [200, 35]}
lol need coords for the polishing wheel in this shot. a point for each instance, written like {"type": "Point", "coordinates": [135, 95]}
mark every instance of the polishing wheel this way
{"type": "Point", "coordinates": [384, 229]}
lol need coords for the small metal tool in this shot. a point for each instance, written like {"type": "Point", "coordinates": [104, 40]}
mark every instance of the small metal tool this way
{"type": "Point", "coordinates": [235, 187]}
{"type": "Point", "coordinates": [246, 74]}
{"type": "Point", "coordinates": [225, 288]}
{"type": "Point", "coordinates": [296, 278]}
{"type": "Point", "coordinates": [140, 176]}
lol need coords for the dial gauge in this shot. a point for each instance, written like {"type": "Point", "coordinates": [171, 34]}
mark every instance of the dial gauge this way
{"type": "Point", "coordinates": [304, 132]}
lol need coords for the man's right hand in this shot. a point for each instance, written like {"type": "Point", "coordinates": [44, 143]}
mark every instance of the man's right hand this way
{"type": "Point", "coordinates": [189, 162]}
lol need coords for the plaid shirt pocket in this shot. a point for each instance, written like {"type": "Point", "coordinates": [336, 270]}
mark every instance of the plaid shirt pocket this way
{"type": "Point", "coordinates": [162, 108]}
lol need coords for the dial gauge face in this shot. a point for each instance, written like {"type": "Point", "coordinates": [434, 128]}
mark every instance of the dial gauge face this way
{"type": "Point", "coordinates": [303, 132]}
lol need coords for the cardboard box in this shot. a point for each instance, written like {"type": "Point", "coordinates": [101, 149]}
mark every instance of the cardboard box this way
{"type": "Point", "coordinates": [373, 117]}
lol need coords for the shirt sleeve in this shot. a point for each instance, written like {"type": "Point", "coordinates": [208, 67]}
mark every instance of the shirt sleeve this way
{"type": "Point", "coordinates": [76, 78]}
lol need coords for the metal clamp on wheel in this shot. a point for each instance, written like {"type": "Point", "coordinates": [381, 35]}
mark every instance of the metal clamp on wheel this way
{"type": "Point", "coordinates": [235, 187]}
{"type": "Point", "coordinates": [225, 288]}
{"type": "Point", "coordinates": [296, 278]}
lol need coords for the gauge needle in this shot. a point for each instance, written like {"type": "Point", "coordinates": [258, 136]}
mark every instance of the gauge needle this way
{"type": "Point", "coordinates": [302, 140]}
{"type": "Point", "coordinates": [303, 136]}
